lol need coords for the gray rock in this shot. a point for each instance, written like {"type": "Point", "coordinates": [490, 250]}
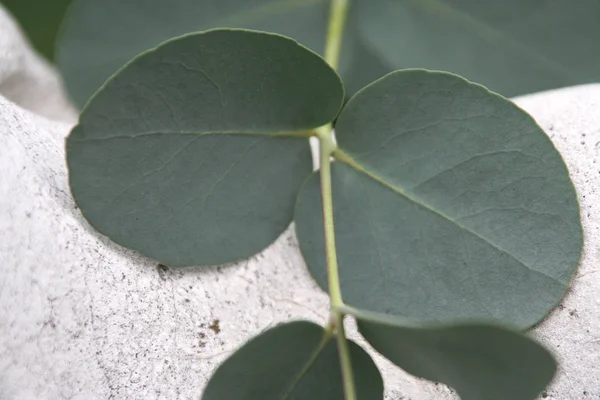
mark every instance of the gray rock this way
{"type": "Point", "coordinates": [28, 79]}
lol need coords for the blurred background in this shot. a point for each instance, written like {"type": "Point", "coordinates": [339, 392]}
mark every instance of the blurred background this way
{"type": "Point", "coordinates": [40, 19]}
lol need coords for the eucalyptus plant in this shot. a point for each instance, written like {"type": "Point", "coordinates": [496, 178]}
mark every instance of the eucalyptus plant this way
{"type": "Point", "coordinates": [513, 47]}
{"type": "Point", "coordinates": [441, 216]}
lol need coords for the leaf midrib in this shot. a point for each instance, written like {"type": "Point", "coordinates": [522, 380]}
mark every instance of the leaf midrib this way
{"type": "Point", "coordinates": [313, 358]}
{"type": "Point", "coordinates": [304, 134]}
{"type": "Point", "coordinates": [345, 158]}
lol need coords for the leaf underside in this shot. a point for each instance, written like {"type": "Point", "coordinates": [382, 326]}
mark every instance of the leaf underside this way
{"type": "Point", "coordinates": [193, 154]}
{"type": "Point", "coordinates": [450, 204]}
{"type": "Point", "coordinates": [513, 47]}
{"type": "Point", "coordinates": [292, 362]}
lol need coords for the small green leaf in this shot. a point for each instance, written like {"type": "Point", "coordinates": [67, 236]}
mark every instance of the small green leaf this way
{"type": "Point", "coordinates": [450, 203]}
{"type": "Point", "coordinates": [512, 46]}
{"type": "Point", "coordinates": [99, 37]}
{"type": "Point", "coordinates": [194, 152]}
{"type": "Point", "coordinates": [479, 361]}
{"type": "Point", "coordinates": [293, 361]}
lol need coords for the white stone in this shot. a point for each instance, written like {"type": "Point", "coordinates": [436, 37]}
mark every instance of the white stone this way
{"type": "Point", "coordinates": [27, 78]}
{"type": "Point", "coordinates": [81, 318]}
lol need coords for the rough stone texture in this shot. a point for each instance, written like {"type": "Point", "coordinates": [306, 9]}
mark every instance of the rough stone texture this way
{"type": "Point", "coordinates": [28, 79]}
{"type": "Point", "coordinates": [572, 119]}
{"type": "Point", "coordinates": [79, 315]}
{"type": "Point", "coordinates": [81, 318]}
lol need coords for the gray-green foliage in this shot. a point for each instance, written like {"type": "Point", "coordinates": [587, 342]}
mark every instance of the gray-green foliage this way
{"type": "Point", "coordinates": [92, 45]}
{"type": "Point", "coordinates": [208, 166]}
{"type": "Point", "coordinates": [268, 367]}
{"type": "Point", "coordinates": [447, 181]}
{"type": "Point", "coordinates": [511, 46]}
{"type": "Point", "coordinates": [451, 206]}
{"type": "Point", "coordinates": [505, 364]}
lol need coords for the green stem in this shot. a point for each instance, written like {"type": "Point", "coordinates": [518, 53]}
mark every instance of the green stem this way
{"type": "Point", "coordinates": [326, 148]}
{"type": "Point", "coordinates": [345, 359]}
{"type": "Point", "coordinates": [337, 20]}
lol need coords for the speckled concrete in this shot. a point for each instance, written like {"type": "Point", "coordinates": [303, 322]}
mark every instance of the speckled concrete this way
{"type": "Point", "coordinates": [81, 318]}
{"type": "Point", "coordinates": [572, 119]}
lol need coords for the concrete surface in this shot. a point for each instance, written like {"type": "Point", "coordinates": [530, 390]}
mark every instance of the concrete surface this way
{"type": "Point", "coordinates": [81, 318]}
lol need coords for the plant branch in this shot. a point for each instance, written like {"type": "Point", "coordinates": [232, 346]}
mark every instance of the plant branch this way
{"type": "Point", "coordinates": [335, 32]}
{"type": "Point", "coordinates": [345, 360]}
{"type": "Point", "coordinates": [337, 20]}
{"type": "Point", "coordinates": [326, 148]}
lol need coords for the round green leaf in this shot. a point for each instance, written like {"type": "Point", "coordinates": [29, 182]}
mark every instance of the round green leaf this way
{"type": "Point", "coordinates": [479, 361]}
{"type": "Point", "coordinates": [98, 37]}
{"type": "Point", "coordinates": [512, 46]}
{"type": "Point", "coordinates": [450, 203]}
{"type": "Point", "coordinates": [292, 361]}
{"type": "Point", "coordinates": [194, 152]}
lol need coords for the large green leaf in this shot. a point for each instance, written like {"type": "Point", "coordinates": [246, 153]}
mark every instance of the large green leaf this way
{"type": "Point", "coordinates": [515, 47]}
{"type": "Point", "coordinates": [449, 203]}
{"type": "Point", "coordinates": [512, 46]}
{"type": "Point", "coordinates": [193, 154]}
{"type": "Point", "coordinates": [99, 37]}
{"type": "Point", "coordinates": [294, 361]}
{"type": "Point", "coordinates": [479, 361]}
{"type": "Point", "coordinates": [40, 19]}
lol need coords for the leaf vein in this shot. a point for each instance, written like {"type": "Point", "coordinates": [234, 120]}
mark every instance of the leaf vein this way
{"type": "Point", "coordinates": [345, 158]}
